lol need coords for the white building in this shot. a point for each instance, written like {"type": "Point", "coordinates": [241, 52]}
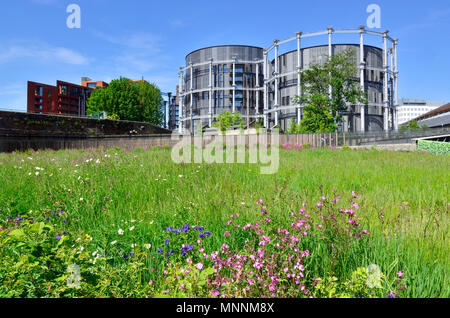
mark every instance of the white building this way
{"type": "Point", "coordinates": [409, 109]}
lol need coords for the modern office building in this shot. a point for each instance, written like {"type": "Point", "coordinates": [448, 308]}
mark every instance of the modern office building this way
{"type": "Point", "coordinates": [409, 109]}
{"type": "Point", "coordinates": [62, 99]}
{"type": "Point", "coordinates": [241, 78]}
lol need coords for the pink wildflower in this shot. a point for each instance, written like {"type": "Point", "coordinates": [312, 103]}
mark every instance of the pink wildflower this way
{"type": "Point", "coordinates": [199, 266]}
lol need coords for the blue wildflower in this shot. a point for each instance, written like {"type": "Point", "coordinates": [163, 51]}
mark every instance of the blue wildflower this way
{"type": "Point", "coordinates": [160, 251]}
{"type": "Point", "coordinates": [201, 235]}
{"type": "Point", "coordinates": [185, 228]}
{"type": "Point", "coordinates": [208, 234]}
{"type": "Point", "coordinates": [167, 242]}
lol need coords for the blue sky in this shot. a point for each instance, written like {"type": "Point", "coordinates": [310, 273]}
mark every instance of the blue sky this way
{"type": "Point", "coordinates": [136, 38]}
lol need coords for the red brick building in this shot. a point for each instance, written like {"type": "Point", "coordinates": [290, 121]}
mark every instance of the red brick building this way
{"type": "Point", "coordinates": [62, 99]}
{"type": "Point", "coordinates": [87, 82]}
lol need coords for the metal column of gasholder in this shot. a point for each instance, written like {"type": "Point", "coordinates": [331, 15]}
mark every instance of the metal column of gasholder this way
{"type": "Point", "coordinates": [385, 84]}
{"type": "Point", "coordinates": [277, 71]}
{"type": "Point", "coordinates": [234, 85]}
{"type": "Point", "coordinates": [257, 90]}
{"type": "Point", "coordinates": [192, 99]}
{"type": "Point", "coordinates": [330, 53]}
{"type": "Point", "coordinates": [391, 97]}
{"type": "Point", "coordinates": [299, 75]}
{"type": "Point", "coordinates": [180, 114]}
{"type": "Point", "coordinates": [395, 84]}
{"type": "Point", "coordinates": [362, 66]}
{"type": "Point", "coordinates": [266, 91]}
{"type": "Point", "coordinates": [210, 114]}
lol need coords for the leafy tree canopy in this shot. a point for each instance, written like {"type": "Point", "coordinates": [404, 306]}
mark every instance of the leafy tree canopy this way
{"type": "Point", "coordinates": [226, 120]}
{"type": "Point", "coordinates": [323, 111]}
{"type": "Point", "coordinates": [124, 99]}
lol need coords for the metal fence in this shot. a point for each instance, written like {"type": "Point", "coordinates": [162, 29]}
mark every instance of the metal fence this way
{"type": "Point", "coordinates": [362, 139]}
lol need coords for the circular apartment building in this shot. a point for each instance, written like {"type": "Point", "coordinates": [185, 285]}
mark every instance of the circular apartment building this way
{"type": "Point", "coordinates": [373, 84]}
{"type": "Point", "coordinates": [222, 78]}
{"type": "Point", "coordinates": [241, 78]}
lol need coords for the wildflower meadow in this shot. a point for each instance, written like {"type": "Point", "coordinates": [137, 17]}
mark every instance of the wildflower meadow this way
{"type": "Point", "coordinates": [131, 223]}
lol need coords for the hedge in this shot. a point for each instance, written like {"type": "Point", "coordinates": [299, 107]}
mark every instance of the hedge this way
{"type": "Point", "coordinates": [438, 148]}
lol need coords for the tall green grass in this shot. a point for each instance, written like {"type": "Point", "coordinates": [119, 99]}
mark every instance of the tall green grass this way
{"type": "Point", "coordinates": [144, 185]}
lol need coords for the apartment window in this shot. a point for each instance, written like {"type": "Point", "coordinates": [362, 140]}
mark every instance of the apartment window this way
{"type": "Point", "coordinates": [239, 69]}
{"type": "Point", "coordinates": [92, 85]}
{"type": "Point", "coordinates": [49, 94]}
{"type": "Point", "coordinates": [220, 99]}
{"type": "Point", "coordinates": [38, 91]}
{"type": "Point", "coordinates": [63, 90]}
{"type": "Point", "coordinates": [74, 92]}
{"type": "Point", "coordinates": [38, 100]}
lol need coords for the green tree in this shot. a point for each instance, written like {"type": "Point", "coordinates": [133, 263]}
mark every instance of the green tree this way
{"type": "Point", "coordinates": [226, 120]}
{"type": "Point", "coordinates": [124, 99]}
{"type": "Point", "coordinates": [323, 112]}
{"type": "Point", "coordinates": [413, 125]}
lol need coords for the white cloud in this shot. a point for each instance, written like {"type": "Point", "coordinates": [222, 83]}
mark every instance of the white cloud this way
{"type": "Point", "coordinates": [143, 41]}
{"type": "Point", "coordinates": [12, 89]}
{"type": "Point", "coordinates": [44, 1]}
{"type": "Point", "coordinates": [177, 23]}
{"type": "Point", "coordinates": [135, 62]}
{"type": "Point", "coordinates": [42, 52]}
